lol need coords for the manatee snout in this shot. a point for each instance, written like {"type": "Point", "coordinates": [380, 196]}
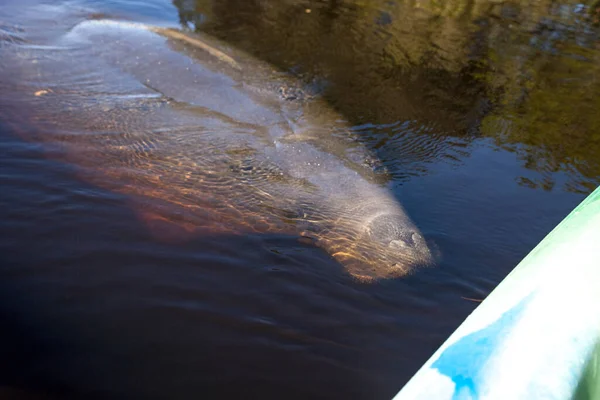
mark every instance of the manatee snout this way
{"type": "Point", "coordinates": [398, 234]}
{"type": "Point", "coordinates": [393, 230]}
{"type": "Point", "coordinates": [385, 246]}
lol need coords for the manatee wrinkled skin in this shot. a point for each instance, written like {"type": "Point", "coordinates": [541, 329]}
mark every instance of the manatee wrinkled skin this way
{"type": "Point", "coordinates": [206, 138]}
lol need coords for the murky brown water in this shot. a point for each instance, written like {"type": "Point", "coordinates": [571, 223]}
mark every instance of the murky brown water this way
{"type": "Point", "coordinates": [482, 114]}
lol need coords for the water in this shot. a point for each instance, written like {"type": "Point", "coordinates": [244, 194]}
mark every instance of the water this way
{"type": "Point", "coordinates": [484, 115]}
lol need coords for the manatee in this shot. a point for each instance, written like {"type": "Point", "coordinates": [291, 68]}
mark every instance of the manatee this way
{"type": "Point", "coordinates": [203, 138]}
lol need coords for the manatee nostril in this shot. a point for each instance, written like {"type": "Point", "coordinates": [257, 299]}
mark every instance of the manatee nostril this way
{"type": "Point", "coordinates": [404, 239]}
{"type": "Point", "coordinates": [408, 238]}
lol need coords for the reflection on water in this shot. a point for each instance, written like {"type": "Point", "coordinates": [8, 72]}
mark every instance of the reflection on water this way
{"type": "Point", "coordinates": [526, 74]}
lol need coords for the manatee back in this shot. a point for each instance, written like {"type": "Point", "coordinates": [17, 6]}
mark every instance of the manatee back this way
{"type": "Point", "coordinates": [191, 159]}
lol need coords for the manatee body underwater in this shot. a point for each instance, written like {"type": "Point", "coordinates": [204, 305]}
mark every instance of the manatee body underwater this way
{"type": "Point", "coordinates": [204, 138]}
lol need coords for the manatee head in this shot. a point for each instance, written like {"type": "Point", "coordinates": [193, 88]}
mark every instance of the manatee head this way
{"type": "Point", "coordinates": [385, 246]}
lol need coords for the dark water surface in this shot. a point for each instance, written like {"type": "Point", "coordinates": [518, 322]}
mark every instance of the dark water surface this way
{"type": "Point", "coordinates": [485, 114]}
